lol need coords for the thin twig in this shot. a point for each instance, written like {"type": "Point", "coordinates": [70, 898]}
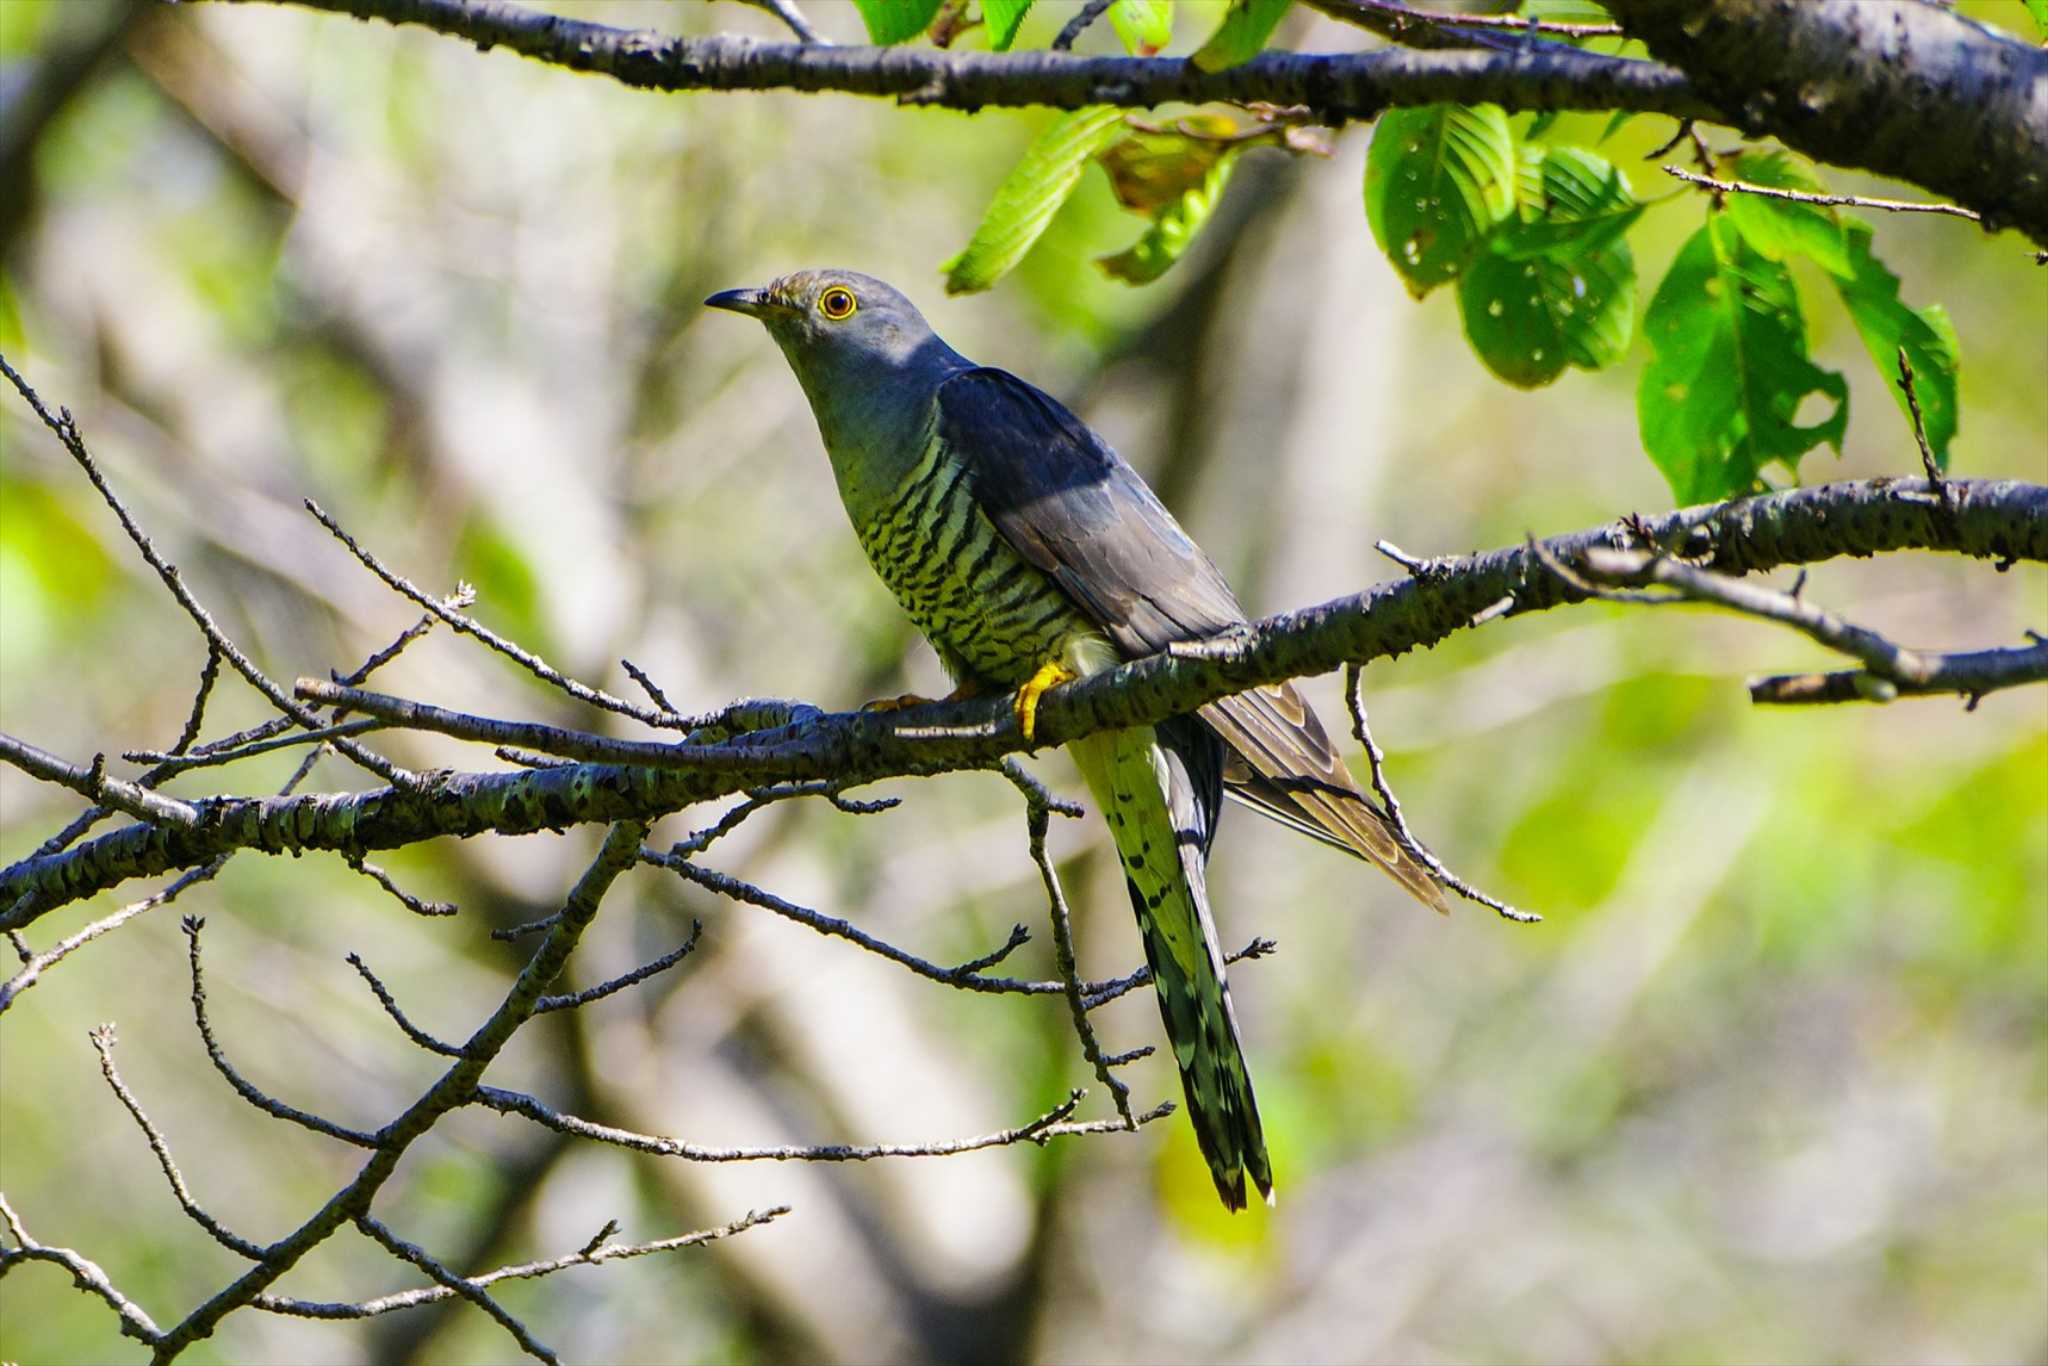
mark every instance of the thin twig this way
{"type": "Point", "coordinates": [85, 1273]}
{"type": "Point", "coordinates": [398, 1017]}
{"type": "Point", "coordinates": [94, 784]}
{"type": "Point", "coordinates": [469, 626]}
{"type": "Point", "coordinates": [1354, 696]}
{"type": "Point", "coordinates": [35, 966]}
{"type": "Point", "coordinates": [787, 12]}
{"type": "Point", "coordinates": [595, 1253]}
{"type": "Point", "coordinates": [174, 762]}
{"type": "Point", "coordinates": [1048, 1126]}
{"type": "Point", "coordinates": [625, 979]}
{"type": "Point", "coordinates": [1071, 31]}
{"type": "Point", "coordinates": [416, 905]}
{"type": "Point", "coordinates": [103, 1044]}
{"type": "Point", "coordinates": [66, 431]}
{"type": "Point", "coordinates": [1928, 462]}
{"type": "Point", "coordinates": [1038, 808]}
{"type": "Point", "coordinates": [1806, 197]}
{"type": "Point", "coordinates": [468, 1289]}
{"type": "Point", "coordinates": [246, 1089]}
{"type": "Point", "coordinates": [1354, 11]}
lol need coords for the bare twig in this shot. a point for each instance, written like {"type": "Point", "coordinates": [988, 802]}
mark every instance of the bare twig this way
{"type": "Point", "coordinates": [418, 1256]}
{"type": "Point", "coordinates": [787, 12]}
{"type": "Point", "coordinates": [404, 898]}
{"type": "Point", "coordinates": [1397, 21]}
{"type": "Point", "coordinates": [1928, 462]}
{"type": "Point", "coordinates": [1071, 31]}
{"type": "Point", "coordinates": [1038, 809]}
{"type": "Point", "coordinates": [469, 626]}
{"type": "Point", "coordinates": [594, 1253]}
{"type": "Point", "coordinates": [624, 979]}
{"type": "Point", "coordinates": [212, 757]}
{"type": "Point", "coordinates": [398, 1017]}
{"type": "Point", "coordinates": [1354, 695]}
{"type": "Point", "coordinates": [36, 965]}
{"type": "Point", "coordinates": [246, 1089]}
{"type": "Point", "coordinates": [85, 1273]}
{"type": "Point", "coordinates": [66, 431]}
{"type": "Point", "coordinates": [103, 1044]}
{"type": "Point", "coordinates": [1048, 1126]}
{"type": "Point", "coordinates": [1856, 201]}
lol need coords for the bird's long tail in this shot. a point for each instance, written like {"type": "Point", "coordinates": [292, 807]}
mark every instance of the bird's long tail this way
{"type": "Point", "coordinates": [1160, 790]}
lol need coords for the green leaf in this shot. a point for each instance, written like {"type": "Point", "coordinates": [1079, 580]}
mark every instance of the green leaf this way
{"type": "Point", "coordinates": [1242, 34]}
{"type": "Point", "coordinates": [1029, 196]}
{"type": "Point", "coordinates": [1568, 201]}
{"type": "Point", "coordinates": [1528, 319]}
{"type": "Point", "coordinates": [2039, 9]}
{"type": "Point", "coordinates": [896, 21]}
{"type": "Point", "coordinates": [1729, 369]}
{"type": "Point", "coordinates": [1615, 122]}
{"type": "Point", "coordinates": [1780, 228]}
{"type": "Point", "coordinates": [1871, 293]}
{"type": "Point", "coordinates": [1172, 231]}
{"type": "Point", "coordinates": [1437, 179]}
{"type": "Point", "coordinates": [1002, 18]}
{"type": "Point", "coordinates": [1146, 26]}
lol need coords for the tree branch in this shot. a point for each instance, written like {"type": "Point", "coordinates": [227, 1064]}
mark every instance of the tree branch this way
{"type": "Point", "coordinates": [1338, 86]}
{"type": "Point", "coordinates": [1908, 90]}
{"type": "Point", "coordinates": [2005, 520]}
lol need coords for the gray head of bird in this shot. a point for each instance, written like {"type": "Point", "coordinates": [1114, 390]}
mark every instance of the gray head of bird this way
{"type": "Point", "coordinates": [844, 332]}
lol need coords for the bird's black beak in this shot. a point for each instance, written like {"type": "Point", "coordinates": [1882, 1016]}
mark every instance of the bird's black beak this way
{"type": "Point", "coordinates": [755, 303]}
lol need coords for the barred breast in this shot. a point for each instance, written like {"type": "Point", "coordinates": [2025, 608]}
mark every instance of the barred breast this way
{"type": "Point", "coordinates": [980, 603]}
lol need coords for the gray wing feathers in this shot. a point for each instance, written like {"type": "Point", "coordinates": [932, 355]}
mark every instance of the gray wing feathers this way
{"type": "Point", "coordinates": [1071, 506]}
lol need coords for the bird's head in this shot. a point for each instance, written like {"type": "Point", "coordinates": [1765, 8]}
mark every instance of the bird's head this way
{"type": "Point", "coordinates": [836, 322]}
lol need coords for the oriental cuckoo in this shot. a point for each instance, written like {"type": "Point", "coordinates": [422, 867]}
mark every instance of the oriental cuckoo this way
{"type": "Point", "coordinates": [1029, 553]}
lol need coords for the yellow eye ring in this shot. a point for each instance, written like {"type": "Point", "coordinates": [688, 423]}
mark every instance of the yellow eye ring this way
{"type": "Point", "coordinates": [837, 303]}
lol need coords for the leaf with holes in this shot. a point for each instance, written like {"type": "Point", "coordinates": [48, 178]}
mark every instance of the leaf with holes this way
{"type": "Point", "coordinates": [1002, 18]}
{"type": "Point", "coordinates": [1246, 26]}
{"type": "Point", "coordinates": [1437, 180]}
{"type": "Point", "coordinates": [896, 21]}
{"type": "Point", "coordinates": [1173, 231]}
{"type": "Point", "coordinates": [1029, 196]}
{"type": "Point", "coordinates": [1780, 228]}
{"type": "Point", "coordinates": [1145, 26]}
{"type": "Point", "coordinates": [1530, 318]}
{"type": "Point", "coordinates": [1871, 293]}
{"type": "Point", "coordinates": [1729, 370]}
{"type": "Point", "coordinates": [1567, 201]}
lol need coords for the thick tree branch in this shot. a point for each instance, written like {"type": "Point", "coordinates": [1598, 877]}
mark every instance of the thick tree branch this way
{"type": "Point", "coordinates": [1337, 87]}
{"type": "Point", "coordinates": [1905, 89]}
{"type": "Point", "coordinates": [2005, 520]}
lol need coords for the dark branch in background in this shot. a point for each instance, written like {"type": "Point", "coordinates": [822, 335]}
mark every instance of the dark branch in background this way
{"type": "Point", "coordinates": [1911, 91]}
{"type": "Point", "coordinates": [1071, 31]}
{"type": "Point", "coordinates": [1338, 87]}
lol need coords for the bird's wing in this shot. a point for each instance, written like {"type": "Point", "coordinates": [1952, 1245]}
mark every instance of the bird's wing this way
{"type": "Point", "coordinates": [1071, 506]}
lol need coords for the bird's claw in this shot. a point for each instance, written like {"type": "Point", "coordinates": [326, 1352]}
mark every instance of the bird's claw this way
{"type": "Point", "coordinates": [1050, 675]}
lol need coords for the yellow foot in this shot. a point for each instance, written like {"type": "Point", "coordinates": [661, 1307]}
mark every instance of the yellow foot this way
{"type": "Point", "coordinates": [1050, 675]}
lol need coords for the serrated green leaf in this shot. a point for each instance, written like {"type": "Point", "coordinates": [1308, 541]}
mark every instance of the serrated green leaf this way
{"type": "Point", "coordinates": [1173, 231]}
{"type": "Point", "coordinates": [1781, 228]}
{"type": "Point", "coordinates": [1729, 369]}
{"type": "Point", "coordinates": [1145, 26]}
{"type": "Point", "coordinates": [896, 21]}
{"type": "Point", "coordinates": [1567, 201]}
{"type": "Point", "coordinates": [1871, 293]}
{"type": "Point", "coordinates": [1242, 35]}
{"type": "Point", "coordinates": [1029, 196]}
{"type": "Point", "coordinates": [2039, 9]}
{"type": "Point", "coordinates": [1437, 180]}
{"type": "Point", "coordinates": [1002, 18]}
{"type": "Point", "coordinates": [1528, 319]}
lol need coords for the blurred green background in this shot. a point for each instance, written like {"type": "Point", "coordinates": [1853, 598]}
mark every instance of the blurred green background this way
{"type": "Point", "coordinates": [1770, 1084]}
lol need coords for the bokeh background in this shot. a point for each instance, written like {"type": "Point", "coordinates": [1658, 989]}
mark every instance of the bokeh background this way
{"type": "Point", "coordinates": [1769, 1084]}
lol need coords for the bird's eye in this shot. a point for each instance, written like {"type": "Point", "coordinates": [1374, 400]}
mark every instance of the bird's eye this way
{"type": "Point", "coordinates": [837, 303]}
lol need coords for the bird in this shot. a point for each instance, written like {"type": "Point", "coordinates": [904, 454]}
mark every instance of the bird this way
{"type": "Point", "coordinates": [1028, 553]}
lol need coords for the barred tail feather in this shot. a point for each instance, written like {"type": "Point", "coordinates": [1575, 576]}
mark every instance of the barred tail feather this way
{"type": "Point", "coordinates": [1161, 790]}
